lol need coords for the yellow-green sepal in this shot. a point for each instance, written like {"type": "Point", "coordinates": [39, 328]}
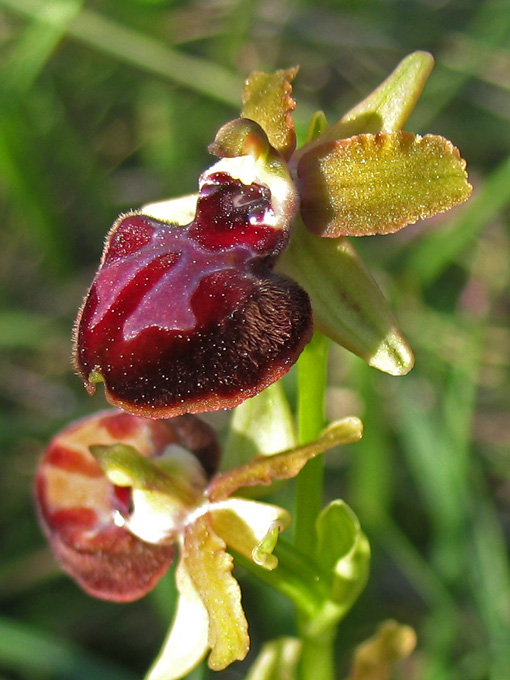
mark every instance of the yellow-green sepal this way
{"type": "Point", "coordinates": [389, 106]}
{"type": "Point", "coordinates": [348, 305]}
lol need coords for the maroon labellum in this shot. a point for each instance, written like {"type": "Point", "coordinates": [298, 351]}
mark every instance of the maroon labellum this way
{"type": "Point", "coordinates": [192, 318]}
{"type": "Point", "coordinates": [79, 508]}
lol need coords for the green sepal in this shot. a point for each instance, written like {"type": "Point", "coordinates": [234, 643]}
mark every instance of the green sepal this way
{"type": "Point", "coordinates": [347, 303]}
{"type": "Point", "coordinates": [389, 106]}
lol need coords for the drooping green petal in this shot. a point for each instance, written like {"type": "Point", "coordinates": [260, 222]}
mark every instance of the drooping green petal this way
{"type": "Point", "coordinates": [389, 106]}
{"type": "Point", "coordinates": [344, 550]}
{"type": "Point", "coordinates": [209, 567]}
{"type": "Point", "coordinates": [262, 425]}
{"type": "Point", "coordinates": [188, 639]}
{"type": "Point", "coordinates": [267, 100]}
{"type": "Point", "coordinates": [250, 527]}
{"type": "Point", "coordinates": [377, 184]}
{"type": "Point", "coordinates": [285, 465]}
{"type": "Point", "coordinates": [347, 303]}
{"type": "Point", "coordinates": [375, 657]}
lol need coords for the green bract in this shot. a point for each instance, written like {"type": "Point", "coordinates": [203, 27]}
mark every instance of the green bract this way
{"type": "Point", "coordinates": [348, 305]}
{"type": "Point", "coordinates": [344, 553]}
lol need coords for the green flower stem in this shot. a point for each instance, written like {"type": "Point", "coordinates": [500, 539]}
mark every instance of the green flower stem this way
{"type": "Point", "coordinates": [300, 579]}
{"type": "Point", "coordinates": [312, 378]}
{"type": "Point", "coordinates": [317, 656]}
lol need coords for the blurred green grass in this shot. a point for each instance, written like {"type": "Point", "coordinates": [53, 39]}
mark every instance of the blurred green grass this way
{"type": "Point", "coordinates": [106, 105]}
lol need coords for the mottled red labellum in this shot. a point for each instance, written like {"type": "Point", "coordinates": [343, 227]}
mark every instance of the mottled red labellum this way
{"type": "Point", "coordinates": [67, 459]}
{"type": "Point", "coordinates": [78, 506]}
{"type": "Point", "coordinates": [192, 318]}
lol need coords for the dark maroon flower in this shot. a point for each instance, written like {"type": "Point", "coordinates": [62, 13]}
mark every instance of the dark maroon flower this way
{"type": "Point", "coordinates": [78, 506]}
{"type": "Point", "coordinates": [193, 318]}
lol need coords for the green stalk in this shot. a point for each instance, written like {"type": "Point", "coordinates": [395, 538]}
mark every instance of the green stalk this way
{"type": "Point", "coordinates": [317, 656]}
{"type": "Point", "coordinates": [312, 378]}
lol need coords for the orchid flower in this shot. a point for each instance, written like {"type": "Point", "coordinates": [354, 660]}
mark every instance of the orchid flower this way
{"type": "Point", "coordinates": [203, 301]}
{"type": "Point", "coordinates": [118, 494]}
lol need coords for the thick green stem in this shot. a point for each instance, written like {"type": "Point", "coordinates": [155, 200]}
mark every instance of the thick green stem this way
{"type": "Point", "coordinates": [312, 377]}
{"type": "Point", "coordinates": [317, 658]}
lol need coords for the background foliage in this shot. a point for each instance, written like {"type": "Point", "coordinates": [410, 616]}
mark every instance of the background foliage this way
{"type": "Point", "coordinates": [105, 105]}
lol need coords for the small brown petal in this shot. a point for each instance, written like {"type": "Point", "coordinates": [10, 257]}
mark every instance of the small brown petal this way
{"type": "Point", "coordinates": [267, 100]}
